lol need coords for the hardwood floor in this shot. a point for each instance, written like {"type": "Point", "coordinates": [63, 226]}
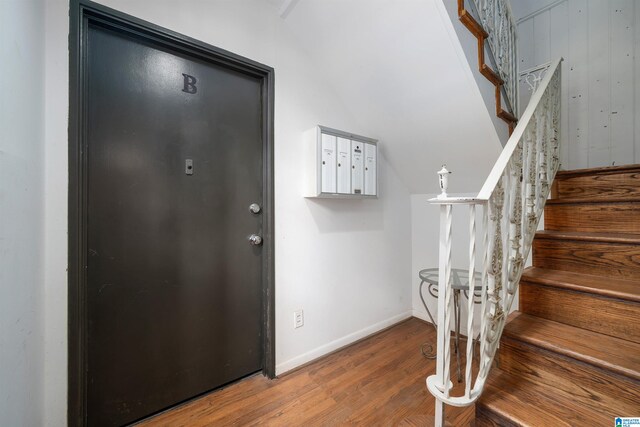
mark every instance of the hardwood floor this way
{"type": "Point", "coordinates": [376, 381]}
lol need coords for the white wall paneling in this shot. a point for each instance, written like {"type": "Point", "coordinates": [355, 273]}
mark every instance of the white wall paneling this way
{"type": "Point", "coordinates": [542, 39]}
{"type": "Point", "coordinates": [526, 49]}
{"type": "Point", "coordinates": [600, 100]}
{"type": "Point", "coordinates": [577, 133]}
{"type": "Point", "coordinates": [558, 46]}
{"type": "Point", "coordinates": [622, 102]}
{"type": "Point", "coordinates": [599, 58]}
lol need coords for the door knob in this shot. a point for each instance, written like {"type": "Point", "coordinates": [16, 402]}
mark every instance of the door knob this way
{"type": "Point", "coordinates": [255, 240]}
{"type": "Point", "coordinates": [254, 208]}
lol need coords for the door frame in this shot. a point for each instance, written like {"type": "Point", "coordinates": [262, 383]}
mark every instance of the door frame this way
{"type": "Point", "coordinates": [81, 14]}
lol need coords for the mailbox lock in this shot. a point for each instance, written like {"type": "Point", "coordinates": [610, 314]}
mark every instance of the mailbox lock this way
{"type": "Point", "coordinates": [254, 208]}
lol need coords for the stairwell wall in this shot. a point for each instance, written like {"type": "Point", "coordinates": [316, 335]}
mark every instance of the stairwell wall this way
{"type": "Point", "coordinates": [22, 41]}
{"type": "Point", "coordinates": [600, 42]}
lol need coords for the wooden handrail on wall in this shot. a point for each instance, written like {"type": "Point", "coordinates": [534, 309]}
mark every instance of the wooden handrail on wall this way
{"type": "Point", "coordinates": [481, 35]}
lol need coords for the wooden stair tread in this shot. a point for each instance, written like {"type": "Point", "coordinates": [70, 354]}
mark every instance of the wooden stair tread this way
{"type": "Point", "coordinates": [612, 216]}
{"type": "Point", "coordinates": [593, 200]}
{"type": "Point", "coordinates": [609, 287]}
{"type": "Point", "coordinates": [598, 171]}
{"type": "Point", "coordinates": [599, 254]}
{"type": "Point", "coordinates": [590, 236]}
{"type": "Point", "coordinates": [591, 185]}
{"type": "Point", "coordinates": [524, 403]}
{"type": "Point", "coordinates": [606, 352]}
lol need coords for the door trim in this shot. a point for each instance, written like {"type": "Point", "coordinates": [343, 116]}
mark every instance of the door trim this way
{"type": "Point", "coordinates": [83, 12]}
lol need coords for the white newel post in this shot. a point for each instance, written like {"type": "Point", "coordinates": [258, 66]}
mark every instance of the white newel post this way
{"type": "Point", "coordinates": [444, 275]}
{"type": "Point", "coordinates": [444, 295]}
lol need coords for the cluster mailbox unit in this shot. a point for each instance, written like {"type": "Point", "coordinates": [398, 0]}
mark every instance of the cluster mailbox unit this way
{"type": "Point", "coordinates": [340, 164]}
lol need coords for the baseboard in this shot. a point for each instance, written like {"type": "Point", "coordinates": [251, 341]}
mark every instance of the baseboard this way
{"type": "Point", "coordinates": [332, 346]}
{"type": "Point", "coordinates": [421, 314]}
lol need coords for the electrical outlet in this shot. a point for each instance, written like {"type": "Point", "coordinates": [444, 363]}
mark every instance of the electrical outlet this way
{"type": "Point", "coordinates": [298, 319]}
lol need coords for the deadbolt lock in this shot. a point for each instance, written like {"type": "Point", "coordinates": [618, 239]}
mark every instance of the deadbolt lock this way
{"type": "Point", "coordinates": [255, 240]}
{"type": "Point", "coordinates": [254, 208]}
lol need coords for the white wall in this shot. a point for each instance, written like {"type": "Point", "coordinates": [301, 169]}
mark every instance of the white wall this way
{"type": "Point", "coordinates": [400, 67]}
{"type": "Point", "coordinates": [346, 263]}
{"type": "Point", "coordinates": [55, 207]}
{"type": "Point", "coordinates": [21, 212]}
{"type": "Point", "coordinates": [600, 42]}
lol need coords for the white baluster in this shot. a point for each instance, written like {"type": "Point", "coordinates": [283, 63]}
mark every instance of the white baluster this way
{"type": "Point", "coordinates": [470, 306]}
{"type": "Point", "coordinates": [484, 305]}
{"type": "Point", "coordinates": [444, 312]}
{"type": "Point", "coordinates": [448, 301]}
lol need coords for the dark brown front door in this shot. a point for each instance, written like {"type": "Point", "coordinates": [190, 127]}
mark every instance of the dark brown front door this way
{"type": "Point", "coordinates": [174, 157]}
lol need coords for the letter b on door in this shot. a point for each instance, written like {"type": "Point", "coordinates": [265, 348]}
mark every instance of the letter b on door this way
{"type": "Point", "coordinates": [189, 84]}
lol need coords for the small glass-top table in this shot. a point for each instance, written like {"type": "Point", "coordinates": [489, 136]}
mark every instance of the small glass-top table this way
{"type": "Point", "coordinates": [459, 282]}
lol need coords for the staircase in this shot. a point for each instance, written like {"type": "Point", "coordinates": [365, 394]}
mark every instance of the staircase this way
{"type": "Point", "coordinates": [468, 20]}
{"type": "Point", "coordinates": [571, 355]}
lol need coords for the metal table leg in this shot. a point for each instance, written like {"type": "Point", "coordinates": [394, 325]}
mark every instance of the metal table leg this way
{"type": "Point", "coordinates": [431, 353]}
{"type": "Point", "coordinates": [456, 311]}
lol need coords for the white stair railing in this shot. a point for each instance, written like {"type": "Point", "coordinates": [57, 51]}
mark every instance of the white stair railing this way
{"type": "Point", "coordinates": [497, 20]}
{"type": "Point", "coordinates": [512, 200]}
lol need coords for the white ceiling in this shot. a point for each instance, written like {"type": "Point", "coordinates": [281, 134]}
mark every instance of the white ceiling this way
{"type": "Point", "coordinates": [398, 67]}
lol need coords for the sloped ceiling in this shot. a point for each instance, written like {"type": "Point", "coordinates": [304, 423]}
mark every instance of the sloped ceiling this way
{"type": "Point", "coordinates": [399, 68]}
